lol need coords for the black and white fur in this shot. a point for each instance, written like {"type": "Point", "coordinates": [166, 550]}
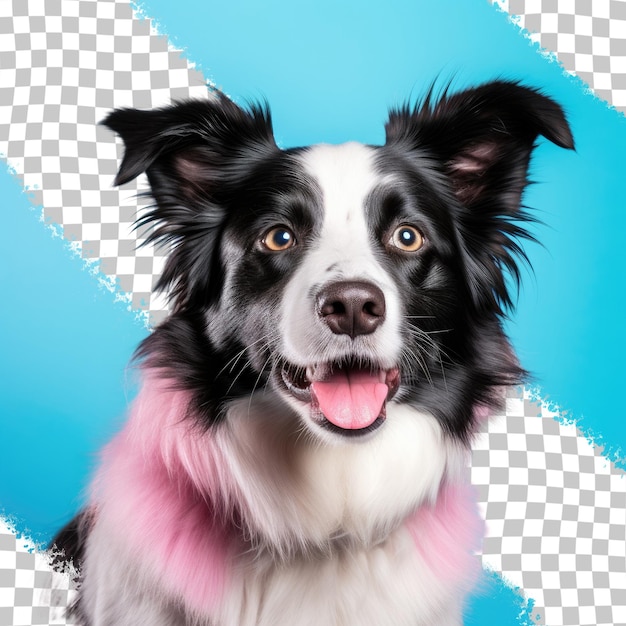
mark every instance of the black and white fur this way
{"type": "Point", "coordinates": [284, 266]}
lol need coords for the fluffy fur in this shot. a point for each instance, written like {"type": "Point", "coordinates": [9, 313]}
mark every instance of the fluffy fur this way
{"type": "Point", "coordinates": [296, 453]}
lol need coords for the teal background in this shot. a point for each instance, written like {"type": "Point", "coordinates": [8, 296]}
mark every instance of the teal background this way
{"type": "Point", "coordinates": [330, 70]}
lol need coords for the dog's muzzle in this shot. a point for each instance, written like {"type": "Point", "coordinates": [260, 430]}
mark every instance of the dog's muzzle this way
{"type": "Point", "coordinates": [347, 395]}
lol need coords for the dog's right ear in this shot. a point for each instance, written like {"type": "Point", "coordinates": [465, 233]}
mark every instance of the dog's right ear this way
{"type": "Point", "coordinates": [191, 142]}
{"type": "Point", "coordinates": [189, 151]}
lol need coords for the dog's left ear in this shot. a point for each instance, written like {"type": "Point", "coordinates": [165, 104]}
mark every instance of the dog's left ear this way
{"type": "Point", "coordinates": [482, 140]}
{"type": "Point", "coordinates": [483, 137]}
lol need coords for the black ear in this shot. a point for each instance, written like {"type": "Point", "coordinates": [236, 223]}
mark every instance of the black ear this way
{"type": "Point", "coordinates": [190, 151]}
{"type": "Point", "coordinates": [482, 140]}
{"type": "Point", "coordinates": [190, 142]}
{"type": "Point", "coordinates": [483, 136]}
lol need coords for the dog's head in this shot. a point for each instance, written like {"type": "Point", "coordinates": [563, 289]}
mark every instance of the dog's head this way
{"type": "Point", "coordinates": [343, 277]}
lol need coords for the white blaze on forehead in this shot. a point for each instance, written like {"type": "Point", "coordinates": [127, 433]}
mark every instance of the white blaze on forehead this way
{"type": "Point", "coordinates": [344, 248]}
{"type": "Point", "coordinates": [345, 175]}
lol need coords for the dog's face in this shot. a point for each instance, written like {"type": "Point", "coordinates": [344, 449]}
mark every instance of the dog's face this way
{"type": "Point", "coordinates": [342, 277]}
{"type": "Point", "coordinates": [339, 267]}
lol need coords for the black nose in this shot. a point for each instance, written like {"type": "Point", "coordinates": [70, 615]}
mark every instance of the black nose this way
{"type": "Point", "coordinates": [351, 308]}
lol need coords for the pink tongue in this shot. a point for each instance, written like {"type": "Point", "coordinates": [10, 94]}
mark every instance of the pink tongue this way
{"type": "Point", "coordinates": [350, 399]}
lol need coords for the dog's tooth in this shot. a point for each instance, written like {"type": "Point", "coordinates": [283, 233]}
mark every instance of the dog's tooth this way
{"type": "Point", "coordinates": [321, 371]}
{"type": "Point", "coordinates": [310, 372]}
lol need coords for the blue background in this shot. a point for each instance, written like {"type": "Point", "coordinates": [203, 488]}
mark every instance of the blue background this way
{"type": "Point", "coordinates": [330, 71]}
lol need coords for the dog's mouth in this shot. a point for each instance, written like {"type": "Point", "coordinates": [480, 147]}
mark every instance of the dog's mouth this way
{"type": "Point", "coordinates": [346, 398]}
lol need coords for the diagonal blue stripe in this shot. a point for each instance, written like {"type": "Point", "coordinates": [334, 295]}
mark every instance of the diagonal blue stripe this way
{"type": "Point", "coordinates": [64, 348]}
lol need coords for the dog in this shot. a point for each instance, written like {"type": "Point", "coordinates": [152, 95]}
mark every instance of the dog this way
{"type": "Point", "coordinates": [297, 451]}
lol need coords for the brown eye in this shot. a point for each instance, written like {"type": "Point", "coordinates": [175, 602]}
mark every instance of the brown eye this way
{"type": "Point", "coordinates": [407, 238]}
{"type": "Point", "coordinates": [279, 239]}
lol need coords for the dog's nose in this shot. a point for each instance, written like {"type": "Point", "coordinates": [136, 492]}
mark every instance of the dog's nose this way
{"type": "Point", "coordinates": [351, 307]}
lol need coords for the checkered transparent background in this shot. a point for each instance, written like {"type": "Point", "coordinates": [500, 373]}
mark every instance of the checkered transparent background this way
{"type": "Point", "coordinates": [555, 507]}
{"type": "Point", "coordinates": [64, 64]}
{"type": "Point", "coordinates": [588, 37]}
{"type": "Point", "coordinates": [556, 514]}
{"type": "Point", "coordinates": [30, 592]}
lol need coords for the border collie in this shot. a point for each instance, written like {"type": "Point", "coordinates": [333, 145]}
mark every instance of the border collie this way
{"type": "Point", "coordinates": [297, 452]}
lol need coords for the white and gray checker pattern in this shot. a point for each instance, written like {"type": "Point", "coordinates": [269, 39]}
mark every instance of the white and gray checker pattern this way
{"type": "Point", "coordinates": [555, 507]}
{"type": "Point", "coordinates": [30, 592]}
{"type": "Point", "coordinates": [64, 64]}
{"type": "Point", "coordinates": [587, 37]}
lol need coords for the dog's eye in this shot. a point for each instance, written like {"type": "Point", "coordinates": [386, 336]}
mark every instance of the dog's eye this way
{"type": "Point", "coordinates": [279, 239]}
{"type": "Point", "coordinates": [407, 238]}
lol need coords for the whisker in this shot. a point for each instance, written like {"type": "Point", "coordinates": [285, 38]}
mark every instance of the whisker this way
{"type": "Point", "coordinates": [239, 355]}
{"type": "Point", "coordinates": [435, 351]}
{"type": "Point", "coordinates": [235, 360]}
{"type": "Point", "coordinates": [419, 317]}
{"type": "Point", "coordinates": [420, 363]}
{"type": "Point", "coordinates": [241, 371]}
{"type": "Point", "coordinates": [256, 382]}
{"type": "Point", "coordinates": [423, 336]}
